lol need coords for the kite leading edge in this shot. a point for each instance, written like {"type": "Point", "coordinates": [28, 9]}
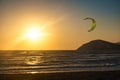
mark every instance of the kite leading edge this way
{"type": "Point", "coordinates": [93, 24]}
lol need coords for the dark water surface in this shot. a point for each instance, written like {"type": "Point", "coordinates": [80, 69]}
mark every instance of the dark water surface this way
{"type": "Point", "coordinates": [58, 61]}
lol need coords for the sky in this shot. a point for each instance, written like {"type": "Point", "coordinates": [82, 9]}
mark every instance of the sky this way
{"type": "Point", "coordinates": [61, 22]}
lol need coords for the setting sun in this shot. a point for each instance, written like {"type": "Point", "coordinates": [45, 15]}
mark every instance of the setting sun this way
{"type": "Point", "coordinates": [34, 33]}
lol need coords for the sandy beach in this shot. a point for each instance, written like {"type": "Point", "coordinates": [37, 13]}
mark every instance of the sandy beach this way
{"type": "Point", "coordinates": [85, 75]}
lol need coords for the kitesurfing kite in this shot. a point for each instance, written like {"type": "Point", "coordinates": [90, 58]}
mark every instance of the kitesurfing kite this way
{"type": "Point", "coordinates": [93, 24]}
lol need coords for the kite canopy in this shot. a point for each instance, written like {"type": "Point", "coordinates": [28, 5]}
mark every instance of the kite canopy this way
{"type": "Point", "coordinates": [93, 24]}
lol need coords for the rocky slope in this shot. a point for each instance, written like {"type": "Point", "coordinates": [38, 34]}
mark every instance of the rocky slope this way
{"type": "Point", "coordinates": [99, 45]}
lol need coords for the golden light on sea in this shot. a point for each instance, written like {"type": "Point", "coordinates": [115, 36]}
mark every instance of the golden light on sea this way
{"type": "Point", "coordinates": [32, 60]}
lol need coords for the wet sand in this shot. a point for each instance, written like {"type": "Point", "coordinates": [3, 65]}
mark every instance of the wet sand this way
{"type": "Point", "coordinates": [84, 75]}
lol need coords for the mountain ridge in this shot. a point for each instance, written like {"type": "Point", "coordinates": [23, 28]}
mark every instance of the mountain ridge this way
{"type": "Point", "coordinates": [99, 45]}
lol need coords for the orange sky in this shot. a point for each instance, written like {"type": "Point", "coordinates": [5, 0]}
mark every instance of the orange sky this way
{"type": "Point", "coordinates": [61, 20]}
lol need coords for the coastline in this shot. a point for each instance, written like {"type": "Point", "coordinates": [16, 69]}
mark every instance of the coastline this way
{"type": "Point", "coordinates": [81, 75]}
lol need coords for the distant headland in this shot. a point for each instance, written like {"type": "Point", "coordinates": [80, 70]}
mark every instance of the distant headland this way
{"type": "Point", "coordinates": [100, 45]}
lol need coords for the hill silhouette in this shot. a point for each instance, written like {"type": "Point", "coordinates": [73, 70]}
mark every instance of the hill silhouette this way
{"type": "Point", "coordinates": [99, 45]}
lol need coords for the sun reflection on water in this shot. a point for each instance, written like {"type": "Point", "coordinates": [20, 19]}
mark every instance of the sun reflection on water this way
{"type": "Point", "coordinates": [33, 60]}
{"type": "Point", "coordinates": [33, 72]}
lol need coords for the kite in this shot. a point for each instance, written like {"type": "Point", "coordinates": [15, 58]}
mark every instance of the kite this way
{"type": "Point", "coordinates": [93, 24]}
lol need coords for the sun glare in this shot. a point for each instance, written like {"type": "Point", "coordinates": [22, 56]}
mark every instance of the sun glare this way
{"type": "Point", "coordinates": [34, 34]}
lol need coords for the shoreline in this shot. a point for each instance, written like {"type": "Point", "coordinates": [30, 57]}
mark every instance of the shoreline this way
{"type": "Point", "coordinates": [81, 75]}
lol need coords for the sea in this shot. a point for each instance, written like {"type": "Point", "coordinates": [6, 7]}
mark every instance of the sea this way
{"type": "Point", "coordinates": [50, 61]}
